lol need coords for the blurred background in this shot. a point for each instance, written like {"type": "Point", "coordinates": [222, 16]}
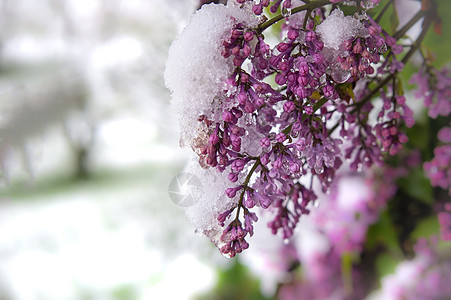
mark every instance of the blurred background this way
{"type": "Point", "coordinates": [88, 146]}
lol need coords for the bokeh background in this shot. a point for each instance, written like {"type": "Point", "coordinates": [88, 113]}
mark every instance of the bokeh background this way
{"type": "Point", "coordinates": [88, 148]}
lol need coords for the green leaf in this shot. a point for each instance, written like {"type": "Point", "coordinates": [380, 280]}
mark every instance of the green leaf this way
{"type": "Point", "coordinates": [347, 89]}
{"type": "Point", "coordinates": [316, 106]}
{"type": "Point", "coordinates": [383, 233]}
{"type": "Point", "coordinates": [276, 28]}
{"type": "Point", "coordinates": [385, 264]}
{"type": "Point", "coordinates": [236, 282]}
{"type": "Point", "coordinates": [399, 85]}
{"type": "Point", "coordinates": [124, 292]}
{"type": "Point", "coordinates": [426, 228]}
{"type": "Point", "coordinates": [394, 20]}
{"type": "Point", "coordinates": [417, 186]}
{"type": "Point", "coordinates": [346, 272]}
{"type": "Point", "coordinates": [420, 134]}
{"type": "Point", "coordinates": [407, 73]}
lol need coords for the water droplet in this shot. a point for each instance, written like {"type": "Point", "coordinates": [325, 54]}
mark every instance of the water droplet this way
{"type": "Point", "coordinates": [339, 75]}
{"type": "Point", "coordinates": [383, 48]}
{"type": "Point", "coordinates": [291, 118]}
{"type": "Point", "coordinates": [316, 203]}
{"type": "Point", "coordinates": [367, 4]}
{"type": "Point", "coordinates": [322, 79]}
{"type": "Point", "coordinates": [359, 168]}
{"type": "Point", "coordinates": [248, 119]}
{"type": "Point", "coordinates": [319, 169]}
{"type": "Point", "coordinates": [203, 164]}
{"type": "Point", "coordinates": [267, 54]}
{"type": "Point", "coordinates": [364, 15]}
{"type": "Point", "coordinates": [365, 62]}
{"type": "Point", "coordinates": [286, 12]}
{"type": "Point", "coordinates": [286, 241]}
{"type": "Point", "coordinates": [182, 143]}
{"type": "Point", "coordinates": [226, 255]}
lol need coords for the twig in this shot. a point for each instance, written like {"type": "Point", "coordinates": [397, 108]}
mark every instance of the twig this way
{"type": "Point", "coordinates": [379, 16]}
{"type": "Point", "coordinates": [409, 24]}
{"type": "Point", "coordinates": [415, 46]}
{"type": "Point", "coordinates": [310, 6]}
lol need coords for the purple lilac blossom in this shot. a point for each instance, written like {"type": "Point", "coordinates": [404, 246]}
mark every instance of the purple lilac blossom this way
{"type": "Point", "coordinates": [439, 168]}
{"type": "Point", "coordinates": [334, 229]}
{"type": "Point", "coordinates": [444, 219]}
{"type": "Point", "coordinates": [346, 214]}
{"type": "Point", "coordinates": [426, 276]}
{"type": "Point", "coordinates": [435, 87]}
{"type": "Point", "coordinates": [265, 140]}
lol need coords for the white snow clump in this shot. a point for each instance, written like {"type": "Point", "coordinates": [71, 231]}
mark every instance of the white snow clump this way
{"type": "Point", "coordinates": [337, 28]}
{"type": "Point", "coordinates": [196, 71]}
{"type": "Point", "coordinates": [205, 210]}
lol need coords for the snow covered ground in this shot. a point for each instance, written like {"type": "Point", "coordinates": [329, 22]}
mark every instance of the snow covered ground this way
{"type": "Point", "coordinates": [70, 74]}
{"type": "Point", "coordinates": [116, 236]}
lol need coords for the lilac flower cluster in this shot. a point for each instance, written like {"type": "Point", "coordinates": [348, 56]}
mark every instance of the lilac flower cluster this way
{"type": "Point", "coordinates": [435, 87]}
{"type": "Point", "coordinates": [388, 132]}
{"type": "Point", "coordinates": [293, 128]}
{"type": "Point", "coordinates": [439, 168]}
{"type": "Point", "coordinates": [323, 281]}
{"type": "Point", "coordinates": [258, 6]}
{"type": "Point", "coordinates": [426, 276]}
{"type": "Point", "coordinates": [285, 117]}
{"type": "Point", "coordinates": [444, 219]}
{"type": "Point", "coordinates": [330, 240]}
{"type": "Point", "coordinates": [352, 206]}
{"type": "Point", "coordinates": [291, 123]}
{"type": "Point", "coordinates": [360, 52]}
{"type": "Point", "coordinates": [302, 142]}
{"type": "Point", "coordinates": [364, 3]}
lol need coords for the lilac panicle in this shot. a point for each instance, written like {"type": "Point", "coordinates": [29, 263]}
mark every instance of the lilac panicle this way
{"type": "Point", "coordinates": [271, 139]}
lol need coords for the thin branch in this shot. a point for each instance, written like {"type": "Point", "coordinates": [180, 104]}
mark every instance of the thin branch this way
{"type": "Point", "coordinates": [310, 6]}
{"type": "Point", "coordinates": [245, 185]}
{"type": "Point", "coordinates": [409, 24]}
{"type": "Point", "coordinates": [379, 16]}
{"type": "Point", "coordinates": [415, 46]}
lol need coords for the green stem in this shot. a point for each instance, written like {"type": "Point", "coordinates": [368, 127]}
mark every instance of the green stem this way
{"type": "Point", "coordinates": [416, 45]}
{"type": "Point", "coordinates": [307, 16]}
{"type": "Point", "coordinates": [245, 184]}
{"type": "Point", "coordinates": [373, 92]}
{"type": "Point", "coordinates": [310, 6]}
{"type": "Point", "coordinates": [379, 16]}
{"type": "Point", "coordinates": [329, 132]}
{"type": "Point", "coordinates": [316, 106]}
{"type": "Point", "coordinates": [254, 167]}
{"type": "Point", "coordinates": [409, 24]}
{"type": "Point", "coordinates": [346, 272]}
